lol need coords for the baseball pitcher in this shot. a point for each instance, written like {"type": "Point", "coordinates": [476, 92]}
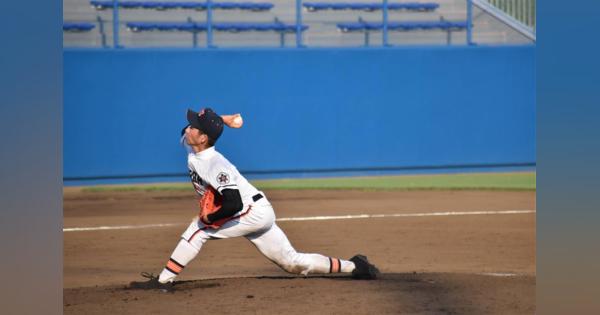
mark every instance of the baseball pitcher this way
{"type": "Point", "coordinates": [230, 207]}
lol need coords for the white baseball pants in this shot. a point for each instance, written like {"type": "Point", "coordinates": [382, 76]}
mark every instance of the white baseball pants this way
{"type": "Point", "coordinates": [258, 225]}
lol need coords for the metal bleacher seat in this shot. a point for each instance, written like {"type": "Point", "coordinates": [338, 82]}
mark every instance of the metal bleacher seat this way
{"type": "Point", "coordinates": [200, 6]}
{"type": "Point", "coordinates": [78, 27]}
{"type": "Point", "coordinates": [259, 27]}
{"type": "Point", "coordinates": [223, 27]}
{"type": "Point", "coordinates": [403, 26]}
{"type": "Point", "coordinates": [165, 26]}
{"type": "Point", "coordinates": [369, 6]}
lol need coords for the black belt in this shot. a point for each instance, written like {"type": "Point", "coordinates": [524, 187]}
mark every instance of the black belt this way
{"type": "Point", "coordinates": [257, 197]}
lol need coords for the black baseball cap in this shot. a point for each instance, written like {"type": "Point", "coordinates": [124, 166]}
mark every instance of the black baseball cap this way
{"type": "Point", "coordinates": [207, 121]}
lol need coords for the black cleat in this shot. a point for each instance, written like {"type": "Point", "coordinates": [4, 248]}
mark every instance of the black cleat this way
{"type": "Point", "coordinates": [151, 284]}
{"type": "Point", "coordinates": [364, 270]}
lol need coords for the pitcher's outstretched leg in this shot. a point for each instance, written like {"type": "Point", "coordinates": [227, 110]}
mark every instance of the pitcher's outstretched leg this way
{"type": "Point", "coordinates": [275, 245]}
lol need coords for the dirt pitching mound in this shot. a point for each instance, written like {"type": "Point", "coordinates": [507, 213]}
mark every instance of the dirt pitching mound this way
{"type": "Point", "coordinates": [423, 293]}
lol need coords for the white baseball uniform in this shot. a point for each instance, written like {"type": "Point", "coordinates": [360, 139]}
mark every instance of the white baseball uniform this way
{"type": "Point", "coordinates": [256, 222]}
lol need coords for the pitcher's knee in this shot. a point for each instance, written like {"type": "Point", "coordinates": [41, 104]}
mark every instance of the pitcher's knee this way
{"type": "Point", "coordinates": [295, 269]}
{"type": "Point", "coordinates": [295, 265]}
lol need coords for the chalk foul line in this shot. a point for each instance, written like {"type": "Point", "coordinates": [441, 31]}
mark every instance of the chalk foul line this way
{"type": "Point", "coordinates": [316, 218]}
{"type": "Point", "coordinates": [500, 274]}
{"type": "Point", "coordinates": [403, 215]}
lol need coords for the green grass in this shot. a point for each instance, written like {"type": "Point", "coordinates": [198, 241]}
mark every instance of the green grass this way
{"type": "Point", "coordinates": [469, 181]}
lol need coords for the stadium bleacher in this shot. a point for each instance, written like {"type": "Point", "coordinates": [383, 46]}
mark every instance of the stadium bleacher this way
{"type": "Point", "coordinates": [200, 6]}
{"type": "Point", "coordinates": [77, 27]}
{"type": "Point", "coordinates": [403, 26]}
{"type": "Point", "coordinates": [369, 6]}
{"type": "Point", "coordinates": [224, 27]}
{"type": "Point", "coordinates": [248, 23]}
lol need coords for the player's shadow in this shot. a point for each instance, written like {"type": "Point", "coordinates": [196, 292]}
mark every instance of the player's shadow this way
{"type": "Point", "coordinates": [292, 277]}
{"type": "Point", "coordinates": [414, 293]}
{"type": "Point", "coordinates": [215, 282]}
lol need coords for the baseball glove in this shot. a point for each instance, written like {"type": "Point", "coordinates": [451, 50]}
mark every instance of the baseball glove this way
{"type": "Point", "coordinates": [210, 202]}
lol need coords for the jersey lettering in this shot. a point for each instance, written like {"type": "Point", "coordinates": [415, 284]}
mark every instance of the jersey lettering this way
{"type": "Point", "coordinates": [198, 182]}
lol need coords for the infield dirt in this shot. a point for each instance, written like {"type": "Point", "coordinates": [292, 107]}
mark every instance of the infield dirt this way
{"type": "Point", "coordinates": [470, 264]}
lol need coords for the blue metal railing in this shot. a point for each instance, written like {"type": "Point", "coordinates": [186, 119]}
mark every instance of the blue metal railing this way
{"type": "Point", "coordinates": [209, 6]}
{"type": "Point", "coordinates": [469, 22]}
{"type": "Point", "coordinates": [116, 24]}
{"type": "Point", "coordinates": [298, 23]}
{"type": "Point", "coordinates": [209, 22]}
{"type": "Point", "coordinates": [384, 18]}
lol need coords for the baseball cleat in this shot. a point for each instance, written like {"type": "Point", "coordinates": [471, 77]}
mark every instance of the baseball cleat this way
{"type": "Point", "coordinates": [151, 284]}
{"type": "Point", "coordinates": [363, 269]}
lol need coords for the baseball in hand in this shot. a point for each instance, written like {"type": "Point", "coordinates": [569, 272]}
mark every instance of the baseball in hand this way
{"type": "Point", "coordinates": [233, 121]}
{"type": "Point", "coordinates": [238, 121]}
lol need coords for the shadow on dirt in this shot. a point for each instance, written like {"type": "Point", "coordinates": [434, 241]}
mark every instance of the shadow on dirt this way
{"type": "Point", "coordinates": [392, 293]}
{"type": "Point", "coordinates": [438, 293]}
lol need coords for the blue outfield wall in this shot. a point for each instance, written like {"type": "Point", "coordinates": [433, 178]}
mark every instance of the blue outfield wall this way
{"type": "Point", "coordinates": [305, 110]}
